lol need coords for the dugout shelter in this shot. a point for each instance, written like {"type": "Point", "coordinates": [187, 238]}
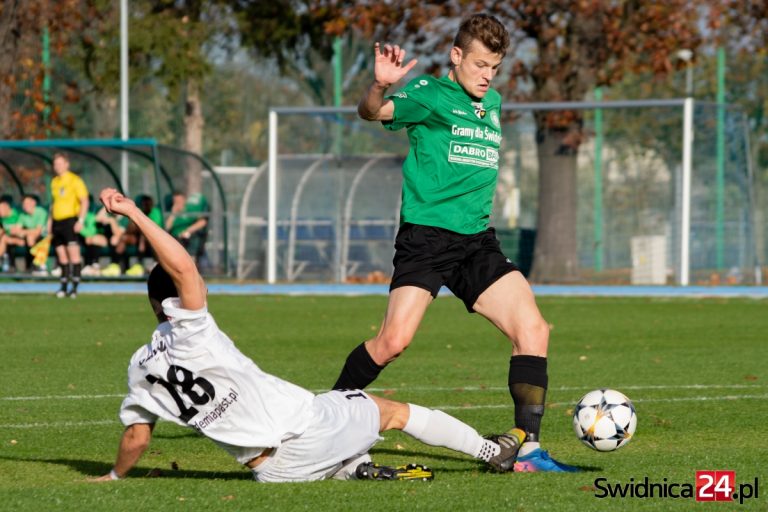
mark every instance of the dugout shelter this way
{"type": "Point", "coordinates": [134, 166]}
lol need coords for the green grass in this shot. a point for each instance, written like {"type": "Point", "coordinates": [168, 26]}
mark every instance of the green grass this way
{"type": "Point", "coordinates": [71, 356]}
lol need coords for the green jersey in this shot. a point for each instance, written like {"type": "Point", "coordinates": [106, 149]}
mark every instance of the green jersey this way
{"type": "Point", "coordinates": [38, 218]}
{"type": "Point", "coordinates": [89, 226]}
{"type": "Point", "coordinates": [196, 207]}
{"type": "Point", "coordinates": [450, 173]}
{"type": "Point", "coordinates": [11, 220]}
{"type": "Point", "coordinates": [154, 215]}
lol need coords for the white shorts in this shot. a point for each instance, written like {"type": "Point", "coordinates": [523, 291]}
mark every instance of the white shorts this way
{"type": "Point", "coordinates": [345, 425]}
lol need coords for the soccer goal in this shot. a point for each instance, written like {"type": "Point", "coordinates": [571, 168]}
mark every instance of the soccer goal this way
{"type": "Point", "coordinates": [665, 194]}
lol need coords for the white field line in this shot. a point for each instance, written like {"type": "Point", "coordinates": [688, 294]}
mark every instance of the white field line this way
{"type": "Point", "coordinates": [641, 400]}
{"type": "Point", "coordinates": [89, 423]}
{"type": "Point", "coordinates": [570, 388]}
{"type": "Point", "coordinates": [418, 389]}
{"type": "Point", "coordinates": [59, 424]}
{"type": "Point", "coordinates": [56, 397]}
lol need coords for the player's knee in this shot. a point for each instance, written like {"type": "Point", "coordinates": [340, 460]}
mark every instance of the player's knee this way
{"type": "Point", "coordinates": [534, 336]}
{"type": "Point", "coordinates": [541, 329]}
{"type": "Point", "coordinates": [393, 344]}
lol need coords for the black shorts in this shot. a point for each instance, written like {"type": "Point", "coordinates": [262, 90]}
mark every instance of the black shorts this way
{"type": "Point", "coordinates": [430, 257]}
{"type": "Point", "coordinates": [63, 232]}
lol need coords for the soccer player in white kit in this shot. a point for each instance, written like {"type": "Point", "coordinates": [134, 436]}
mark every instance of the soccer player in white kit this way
{"type": "Point", "coordinates": [192, 374]}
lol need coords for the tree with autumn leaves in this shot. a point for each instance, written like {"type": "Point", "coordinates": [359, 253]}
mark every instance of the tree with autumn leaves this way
{"type": "Point", "coordinates": [25, 109]}
{"type": "Point", "coordinates": [579, 45]}
{"type": "Point", "coordinates": [167, 41]}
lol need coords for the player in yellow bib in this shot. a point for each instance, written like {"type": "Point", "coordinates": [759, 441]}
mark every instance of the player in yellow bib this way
{"type": "Point", "coordinates": [69, 205]}
{"type": "Point", "coordinates": [449, 178]}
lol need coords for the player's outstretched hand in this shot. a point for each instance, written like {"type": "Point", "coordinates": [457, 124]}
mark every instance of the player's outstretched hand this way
{"type": "Point", "coordinates": [115, 202]}
{"type": "Point", "coordinates": [388, 64]}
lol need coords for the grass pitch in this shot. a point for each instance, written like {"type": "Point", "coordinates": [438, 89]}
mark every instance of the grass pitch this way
{"type": "Point", "coordinates": [695, 369]}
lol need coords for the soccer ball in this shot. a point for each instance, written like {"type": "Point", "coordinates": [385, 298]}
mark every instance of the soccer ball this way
{"type": "Point", "coordinates": [604, 420]}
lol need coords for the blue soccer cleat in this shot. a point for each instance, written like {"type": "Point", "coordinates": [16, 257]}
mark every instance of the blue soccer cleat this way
{"type": "Point", "coordinates": [539, 461]}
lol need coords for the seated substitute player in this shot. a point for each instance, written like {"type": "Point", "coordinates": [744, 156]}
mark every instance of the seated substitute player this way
{"type": "Point", "coordinates": [31, 223]}
{"type": "Point", "coordinates": [9, 217]}
{"type": "Point", "coordinates": [449, 178]}
{"type": "Point", "coordinates": [192, 374]}
{"type": "Point", "coordinates": [188, 223]}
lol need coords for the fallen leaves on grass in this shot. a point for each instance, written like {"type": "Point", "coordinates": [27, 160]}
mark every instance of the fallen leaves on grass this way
{"type": "Point", "coordinates": [660, 422]}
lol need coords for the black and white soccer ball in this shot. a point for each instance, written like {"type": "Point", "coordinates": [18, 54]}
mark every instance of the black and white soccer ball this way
{"type": "Point", "coordinates": [604, 420]}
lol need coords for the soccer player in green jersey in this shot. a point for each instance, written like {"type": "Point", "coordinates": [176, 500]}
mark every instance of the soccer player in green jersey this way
{"type": "Point", "coordinates": [29, 230]}
{"type": "Point", "coordinates": [449, 179]}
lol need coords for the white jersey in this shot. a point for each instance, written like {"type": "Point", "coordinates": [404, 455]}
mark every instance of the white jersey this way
{"type": "Point", "coordinates": [191, 373]}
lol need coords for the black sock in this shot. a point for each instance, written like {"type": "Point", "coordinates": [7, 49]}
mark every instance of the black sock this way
{"type": "Point", "coordinates": [28, 258]}
{"type": "Point", "coordinates": [92, 254]}
{"type": "Point", "coordinates": [359, 370]}
{"type": "Point", "coordinates": [64, 279]}
{"type": "Point", "coordinates": [528, 387]}
{"type": "Point", "coordinates": [76, 267]}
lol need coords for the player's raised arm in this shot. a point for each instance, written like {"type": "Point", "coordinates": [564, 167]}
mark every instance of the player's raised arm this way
{"type": "Point", "coordinates": [388, 69]}
{"type": "Point", "coordinates": [170, 254]}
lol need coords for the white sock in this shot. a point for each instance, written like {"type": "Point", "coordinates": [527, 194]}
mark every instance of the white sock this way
{"type": "Point", "coordinates": [436, 428]}
{"type": "Point", "coordinates": [527, 448]}
{"type": "Point", "coordinates": [488, 451]}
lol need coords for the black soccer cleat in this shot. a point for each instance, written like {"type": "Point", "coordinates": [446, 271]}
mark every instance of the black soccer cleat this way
{"type": "Point", "coordinates": [509, 442]}
{"type": "Point", "coordinates": [371, 471]}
